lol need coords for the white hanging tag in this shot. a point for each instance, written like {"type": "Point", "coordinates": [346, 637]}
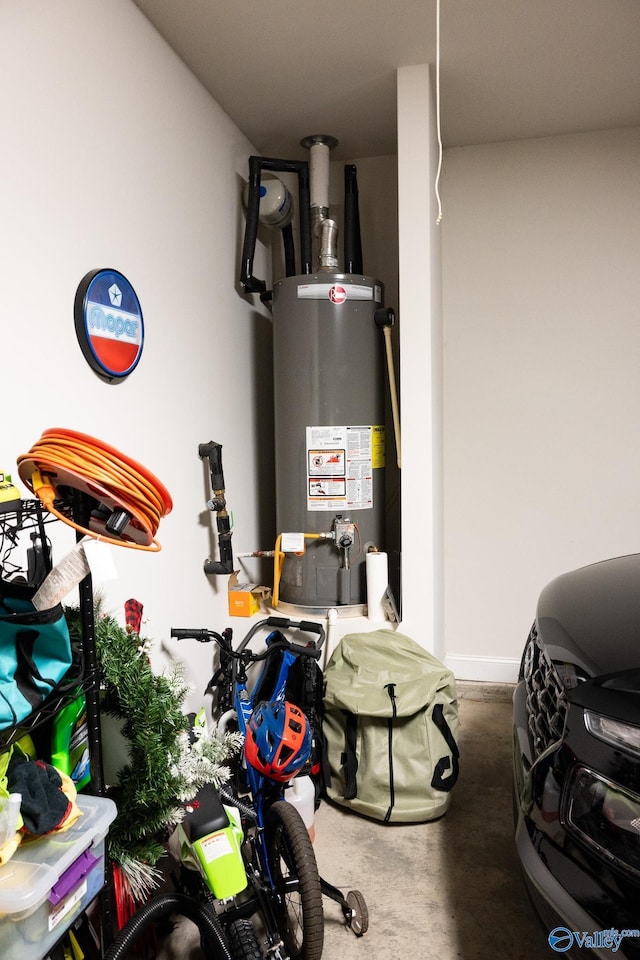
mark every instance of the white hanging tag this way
{"type": "Point", "coordinates": [61, 580]}
{"type": "Point", "coordinates": [99, 556]}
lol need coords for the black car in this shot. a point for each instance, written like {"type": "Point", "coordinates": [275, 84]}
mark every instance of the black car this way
{"type": "Point", "coordinates": [577, 761]}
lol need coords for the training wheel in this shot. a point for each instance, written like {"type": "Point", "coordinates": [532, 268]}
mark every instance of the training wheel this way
{"type": "Point", "coordinates": [359, 919]}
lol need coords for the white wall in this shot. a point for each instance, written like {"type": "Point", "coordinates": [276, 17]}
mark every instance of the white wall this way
{"type": "Point", "coordinates": [420, 361]}
{"type": "Point", "coordinates": [541, 386]}
{"type": "Point", "coordinates": [114, 156]}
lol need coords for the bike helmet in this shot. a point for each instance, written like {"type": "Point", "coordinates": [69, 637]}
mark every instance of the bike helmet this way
{"type": "Point", "coordinates": [278, 740]}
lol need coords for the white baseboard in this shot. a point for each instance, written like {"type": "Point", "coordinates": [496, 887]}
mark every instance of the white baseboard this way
{"type": "Point", "coordinates": [484, 669]}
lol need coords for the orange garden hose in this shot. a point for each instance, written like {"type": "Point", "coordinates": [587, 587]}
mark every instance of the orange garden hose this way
{"type": "Point", "coordinates": [119, 487]}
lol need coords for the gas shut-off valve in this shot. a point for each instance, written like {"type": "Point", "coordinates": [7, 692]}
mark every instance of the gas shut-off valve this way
{"type": "Point", "coordinates": [344, 535]}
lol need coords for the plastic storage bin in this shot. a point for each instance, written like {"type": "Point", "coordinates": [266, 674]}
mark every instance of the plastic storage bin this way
{"type": "Point", "coordinates": [48, 882]}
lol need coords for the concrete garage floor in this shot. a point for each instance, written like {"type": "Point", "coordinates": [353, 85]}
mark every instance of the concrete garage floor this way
{"type": "Point", "coordinates": [446, 890]}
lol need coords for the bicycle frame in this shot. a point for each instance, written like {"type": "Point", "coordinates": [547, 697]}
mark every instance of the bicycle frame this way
{"type": "Point", "coordinates": [239, 701]}
{"type": "Point", "coordinates": [264, 791]}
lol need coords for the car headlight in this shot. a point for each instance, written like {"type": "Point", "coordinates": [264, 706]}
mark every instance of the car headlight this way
{"type": "Point", "coordinates": [606, 816]}
{"type": "Point", "coordinates": [615, 732]}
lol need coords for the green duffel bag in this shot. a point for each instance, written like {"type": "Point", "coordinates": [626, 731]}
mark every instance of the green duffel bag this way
{"type": "Point", "coordinates": [390, 725]}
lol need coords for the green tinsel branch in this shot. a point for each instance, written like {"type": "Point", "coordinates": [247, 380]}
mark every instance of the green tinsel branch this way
{"type": "Point", "coordinates": [165, 766]}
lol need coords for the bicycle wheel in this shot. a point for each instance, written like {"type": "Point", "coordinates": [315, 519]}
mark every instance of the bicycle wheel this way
{"type": "Point", "coordinates": [243, 941]}
{"type": "Point", "coordinates": [359, 919]}
{"type": "Point", "coordinates": [298, 901]}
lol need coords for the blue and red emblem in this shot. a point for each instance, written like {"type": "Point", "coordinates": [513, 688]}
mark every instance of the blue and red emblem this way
{"type": "Point", "coordinates": [109, 323]}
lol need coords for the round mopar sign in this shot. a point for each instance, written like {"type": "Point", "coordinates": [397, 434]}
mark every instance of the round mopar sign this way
{"type": "Point", "coordinates": [109, 323]}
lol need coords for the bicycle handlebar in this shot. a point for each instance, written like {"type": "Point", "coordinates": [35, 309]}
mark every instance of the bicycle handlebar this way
{"type": "Point", "coordinates": [296, 648]}
{"type": "Point", "coordinates": [310, 626]}
{"type": "Point", "coordinates": [205, 636]}
{"type": "Point", "coordinates": [285, 623]}
{"type": "Point", "coordinates": [202, 636]}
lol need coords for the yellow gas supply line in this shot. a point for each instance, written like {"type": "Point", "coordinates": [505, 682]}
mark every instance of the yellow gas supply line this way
{"type": "Point", "coordinates": [278, 561]}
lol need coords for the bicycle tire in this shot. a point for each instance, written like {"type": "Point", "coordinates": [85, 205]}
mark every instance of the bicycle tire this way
{"type": "Point", "coordinates": [298, 896]}
{"type": "Point", "coordinates": [243, 941]}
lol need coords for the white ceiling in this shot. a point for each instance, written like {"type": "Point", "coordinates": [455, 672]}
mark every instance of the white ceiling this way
{"type": "Point", "coordinates": [510, 69]}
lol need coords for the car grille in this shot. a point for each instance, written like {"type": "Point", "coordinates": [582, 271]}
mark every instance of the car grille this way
{"type": "Point", "coordinates": [546, 699]}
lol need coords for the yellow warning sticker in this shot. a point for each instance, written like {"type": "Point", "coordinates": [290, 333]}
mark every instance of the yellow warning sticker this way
{"type": "Point", "coordinates": [377, 446]}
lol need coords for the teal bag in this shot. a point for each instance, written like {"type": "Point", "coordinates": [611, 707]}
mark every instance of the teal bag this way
{"type": "Point", "coordinates": [35, 652]}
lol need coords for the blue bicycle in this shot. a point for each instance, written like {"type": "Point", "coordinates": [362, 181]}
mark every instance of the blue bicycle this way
{"type": "Point", "coordinates": [286, 888]}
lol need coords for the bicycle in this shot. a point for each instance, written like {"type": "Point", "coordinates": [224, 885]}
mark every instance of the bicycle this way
{"type": "Point", "coordinates": [209, 838]}
{"type": "Point", "coordinates": [286, 888]}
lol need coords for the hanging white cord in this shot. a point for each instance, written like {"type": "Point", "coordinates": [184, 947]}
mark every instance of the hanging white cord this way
{"type": "Point", "coordinates": [437, 183]}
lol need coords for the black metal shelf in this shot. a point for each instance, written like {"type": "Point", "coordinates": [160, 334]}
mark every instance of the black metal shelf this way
{"type": "Point", "coordinates": [22, 523]}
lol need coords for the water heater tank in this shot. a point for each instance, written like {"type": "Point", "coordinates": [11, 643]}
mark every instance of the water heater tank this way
{"type": "Point", "coordinates": [329, 432]}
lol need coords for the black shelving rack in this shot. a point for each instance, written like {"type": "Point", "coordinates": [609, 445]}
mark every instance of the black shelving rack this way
{"type": "Point", "coordinates": [28, 520]}
{"type": "Point", "coordinates": [23, 522]}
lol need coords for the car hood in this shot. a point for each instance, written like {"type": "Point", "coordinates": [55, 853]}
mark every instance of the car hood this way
{"type": "Point", "coordinates": [589, 623]}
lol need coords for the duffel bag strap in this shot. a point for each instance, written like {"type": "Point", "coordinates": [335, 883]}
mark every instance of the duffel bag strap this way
{"type": "Point", "coordinates": [349, 758]}
{"type": "Point", "coordinates": [439, 781]}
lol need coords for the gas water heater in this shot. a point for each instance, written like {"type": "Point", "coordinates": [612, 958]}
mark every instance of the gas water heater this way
{"type": "Point", "coordinates": [328, 392]}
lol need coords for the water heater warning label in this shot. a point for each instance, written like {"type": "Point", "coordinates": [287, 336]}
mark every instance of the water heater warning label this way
{"type": "Point", "coordinates": [340, 463]}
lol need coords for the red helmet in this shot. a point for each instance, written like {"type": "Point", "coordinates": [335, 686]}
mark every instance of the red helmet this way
{"type": "Point", "coordinates": [278, 740]}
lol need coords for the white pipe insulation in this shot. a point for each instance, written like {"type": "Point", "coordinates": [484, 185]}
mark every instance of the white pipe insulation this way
{"type": "Point", "coordinates": [319, 154]}
{"type": "Point", "coordinates": [324, 229]}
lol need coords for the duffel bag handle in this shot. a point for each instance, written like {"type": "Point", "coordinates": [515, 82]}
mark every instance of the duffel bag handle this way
{"type": "Point", "coordinates": [439, 781]}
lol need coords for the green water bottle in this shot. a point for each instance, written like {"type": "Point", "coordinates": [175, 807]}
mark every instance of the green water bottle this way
{"type": "Point", "coordinates": [70, 741]}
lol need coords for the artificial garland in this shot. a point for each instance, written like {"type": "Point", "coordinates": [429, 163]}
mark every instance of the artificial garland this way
{"type": "Point", "coordinates": [168, 761]}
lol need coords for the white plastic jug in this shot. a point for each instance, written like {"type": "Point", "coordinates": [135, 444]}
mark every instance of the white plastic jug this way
{"type": "Point", "coordinates": [302, 794]}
